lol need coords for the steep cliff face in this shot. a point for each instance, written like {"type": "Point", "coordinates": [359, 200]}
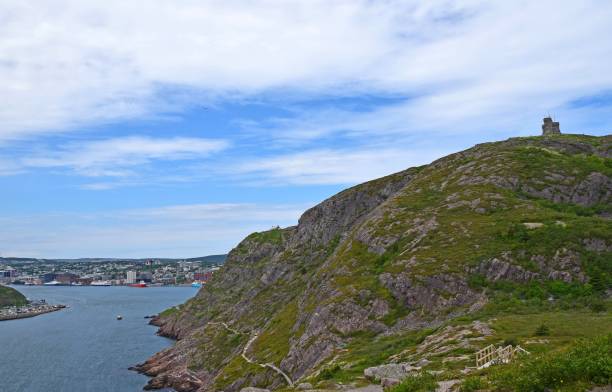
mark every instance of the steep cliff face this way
{"type": "Point", "coordinates": [398, 254]}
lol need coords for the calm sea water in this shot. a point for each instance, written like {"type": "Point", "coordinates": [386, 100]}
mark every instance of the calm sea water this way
{"type": "Point", "coordinates": [84, 348]}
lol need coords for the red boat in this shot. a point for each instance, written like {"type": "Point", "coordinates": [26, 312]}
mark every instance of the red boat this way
{"type": "Point", "coordinates": [140, 284]}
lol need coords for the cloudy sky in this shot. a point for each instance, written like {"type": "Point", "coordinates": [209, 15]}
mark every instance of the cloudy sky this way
{"type": "Point", "coordinates": [175, 128]}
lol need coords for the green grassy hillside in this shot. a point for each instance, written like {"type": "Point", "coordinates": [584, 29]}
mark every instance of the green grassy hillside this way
{"type": "Point", "coordinates": [11, 297]}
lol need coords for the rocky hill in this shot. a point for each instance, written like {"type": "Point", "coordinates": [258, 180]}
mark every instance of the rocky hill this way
{"type": "Point", "coordinates": [11, 297]}
{"type": "Point", "coordinates": [381, 273]}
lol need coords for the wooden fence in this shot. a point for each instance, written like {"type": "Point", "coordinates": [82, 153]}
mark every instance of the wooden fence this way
{"type": "Point", "coordinates": [491, 355]}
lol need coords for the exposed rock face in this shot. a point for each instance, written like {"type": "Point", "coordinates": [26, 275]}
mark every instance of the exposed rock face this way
{"type": "Point", "coordinates": [394, 371]}
{"type": "Point", "coordinates": [391, 256]}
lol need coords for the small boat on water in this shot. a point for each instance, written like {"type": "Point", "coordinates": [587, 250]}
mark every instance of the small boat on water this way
{"type": "Point", "coordinates": [53, 283]}
{"type": "Point", "coordinates": [101, 283]}
{"type": "Point", "coordinates": [196, 284]}
{"type": "Point", "coordinates": [119, 317]}
{"type": "Point", "coordinates": [140, 284]}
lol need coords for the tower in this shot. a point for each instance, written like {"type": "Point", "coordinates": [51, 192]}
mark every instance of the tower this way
{"type": "Point", "coordinates": [550, 127]}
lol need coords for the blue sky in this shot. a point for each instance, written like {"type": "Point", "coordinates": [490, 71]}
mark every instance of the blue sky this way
{"type": "Point", "coordinates": [158, 128]}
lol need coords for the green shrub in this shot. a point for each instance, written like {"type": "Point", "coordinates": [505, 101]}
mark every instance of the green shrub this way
{"type": "Point", "coordinates": [510, 342]}
{"type": "Point", "coordinates": [587, 361]}
{"type": "Point", "coordinates": [423, 382]}
{"type": "Point", "coordinates": [329, 372]}
{"type": "Point", "coordinates": [542, 330]}
{"type": "Point", "coordinates": [598, 306]}
{"type": "Point", "coordinates": [471, 384]}
{"type": "Point", "coordinates": [477, 281]}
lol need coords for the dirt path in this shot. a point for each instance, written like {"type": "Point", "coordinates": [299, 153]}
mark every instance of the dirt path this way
{"type": "Point", "coordinates": [246, 348]}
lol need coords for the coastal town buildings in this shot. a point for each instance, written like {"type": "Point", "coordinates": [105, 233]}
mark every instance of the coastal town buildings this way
{"type": "Point", "coordinates": [116, 272]}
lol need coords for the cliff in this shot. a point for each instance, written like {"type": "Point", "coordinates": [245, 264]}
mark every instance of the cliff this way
{"type": "Point", "coordinates": [367, 274]}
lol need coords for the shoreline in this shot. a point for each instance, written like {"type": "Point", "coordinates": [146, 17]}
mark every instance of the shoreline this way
{"type": "Point", "coordinates": [17, 316]}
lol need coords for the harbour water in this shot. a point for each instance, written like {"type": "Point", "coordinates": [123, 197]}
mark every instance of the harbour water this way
{"type": "Point", "coordinates": [84, 347]}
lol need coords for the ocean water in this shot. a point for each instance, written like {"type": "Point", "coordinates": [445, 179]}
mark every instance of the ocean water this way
{"type": "Point", "coordinates": [84, 347]}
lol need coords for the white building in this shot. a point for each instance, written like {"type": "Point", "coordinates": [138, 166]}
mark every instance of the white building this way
{"type": "Point", "coordinates": [131, 277]}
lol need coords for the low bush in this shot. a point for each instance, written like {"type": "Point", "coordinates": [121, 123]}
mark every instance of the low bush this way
{"type": "Point", "coordinates": [510, 342]}
{"type": "Point", "coordinates": [472, 383]}
{"type": "Point", "coordinates": [329, 372]}
{"type": "Point", "coordinates": [542, 330]}
{"type": "Point", "coordinates": [598, 306]}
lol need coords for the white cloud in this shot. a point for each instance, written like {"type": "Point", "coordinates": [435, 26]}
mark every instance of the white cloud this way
{"type": "Point", "coordinates": [332, 166]}
{"type": "Point", "coordinates": [118, 156]}
{"type": "Point", "coordinates": [64, 63]}
{"type": "Point", "coordinates": [173, 231]}
{"type": "Point", "coordinates": [9, 167]}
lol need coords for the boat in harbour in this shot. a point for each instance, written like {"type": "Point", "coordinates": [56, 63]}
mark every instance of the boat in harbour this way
{"type": "Point", "coordinates": [101, 283]}
{"type": "Point", "coordinates": [140, 284]}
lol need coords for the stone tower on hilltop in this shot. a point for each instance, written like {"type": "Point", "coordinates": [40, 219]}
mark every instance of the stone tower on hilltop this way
{"type": "Point", "coordinates": [550, 127]}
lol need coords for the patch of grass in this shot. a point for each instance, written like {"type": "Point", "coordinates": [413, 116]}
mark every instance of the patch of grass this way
{"type": "Point", "coordinates": [11, 297]}
{"type": "Point", "coordinates": [328, 373]}
{"type": "Point", "coordinates": [510, 342]}
{"type": "Point", "coordinates": [567, 327]}
{"type": "Point", "coordinates": [472, 384]}
{"type": "Point", "coordinates": [366, 350]}
{"type": "Point", "coordinates": [423, 382]}
{"type": "Point", "coordinates": [235, 369]}
{"type": "Point", "coordinates": [273, 236]}
{"type": "Point", "coordinates": [273, 344]}
{"type": "Point", "coordinates": [586, 362]}
{"type": "Point", "coordinates": [598, 306]}
{"type": "Point", "coordinates": [169, 312]}
{"type": "Point", "coordinates": [532, 161]}
{"type": "Point", "coordinates": [333, 244]}
{"type": "Point", "coordinates": [542, 330]}
{"type": "Point", "coordinates": [216, 346]}
{"type": "Point", "coordinates": [575, 209]}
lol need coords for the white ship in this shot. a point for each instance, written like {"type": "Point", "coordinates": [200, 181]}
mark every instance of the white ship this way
{"type": "Point", "coordinates": [53, 283]}
{"type": "Point", "coordinates": [101, 283]}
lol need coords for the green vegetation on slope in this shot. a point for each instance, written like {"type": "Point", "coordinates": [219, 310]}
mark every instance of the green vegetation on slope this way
{"type": "Point", "coordinates": [585, 363]}
{"type": "Point", "coordinates": [424, 382]}
{"type": "Point", "coordinates": [11, 297]}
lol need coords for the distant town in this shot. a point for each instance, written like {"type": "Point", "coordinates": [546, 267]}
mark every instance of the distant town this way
{"type": "Point", "coordinates": [109, 272]}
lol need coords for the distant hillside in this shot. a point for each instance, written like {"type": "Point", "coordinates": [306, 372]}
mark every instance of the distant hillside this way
{"type": "Point", "coordinates": [212, 259]}
{"type": "Point", "coordinates": [420, 268]}
{"type": "Point", "coordinates": [11, 297]}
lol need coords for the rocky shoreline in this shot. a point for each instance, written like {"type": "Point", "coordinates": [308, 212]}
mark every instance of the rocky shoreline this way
{"type": "Point", "coordinates": [159, 363]}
